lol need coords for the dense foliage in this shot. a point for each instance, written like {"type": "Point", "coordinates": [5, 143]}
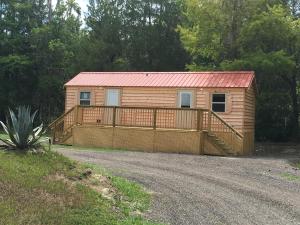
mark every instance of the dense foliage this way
{"type": "Point", "coordinates": [42, 45]}
{"type": "Point", "coordinates": [259, 35]}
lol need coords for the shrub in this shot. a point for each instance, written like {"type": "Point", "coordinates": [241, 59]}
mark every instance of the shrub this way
{"type": "Point", "coordinates": [20, 129]}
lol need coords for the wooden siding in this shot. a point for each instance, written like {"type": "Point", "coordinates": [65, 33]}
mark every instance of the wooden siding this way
{"type": "Point", "coordinates": [149, 97]}
{"type": "Point", "coordinates": [234, 104]}
{"type": "Point", "coordinates": [72, 96]}
{"type": "Point", "coordinates": [249, 120]}
{"type": "Point", "coordinates": [249, 115]}
{"type": "Point", "coordinates": [239, 103]}
{"type": "Point", "coordinates": [234, 109]}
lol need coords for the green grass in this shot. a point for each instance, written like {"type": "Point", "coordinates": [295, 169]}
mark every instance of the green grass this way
{"type": "Point", "coordinates": [291, 177]}
{"type": "Point", "coordinates": [46, 189]}
{"type": "Point", "coordinates": [80, 148]}
{"type": "Point", "coordinates": [136, 197]}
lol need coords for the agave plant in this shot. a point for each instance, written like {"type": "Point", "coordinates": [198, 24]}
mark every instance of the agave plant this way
{"type": "Point", "coordinates": [20, 129]}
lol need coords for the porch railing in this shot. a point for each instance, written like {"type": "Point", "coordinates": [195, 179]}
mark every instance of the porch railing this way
{"type": "Point", "coordinates": [171, 118]}
{"type": "Point", "coordinates": [148, 117]}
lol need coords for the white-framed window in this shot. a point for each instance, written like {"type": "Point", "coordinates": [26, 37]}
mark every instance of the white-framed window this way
{"type": "Point", "coordinates": [218, 103]}
{"type": "Point", "coordinates": [113, 97]}
{"type": "Point", "coordinates": [185, 99]}
{"type": "Point", "coordinates": [85, 98]}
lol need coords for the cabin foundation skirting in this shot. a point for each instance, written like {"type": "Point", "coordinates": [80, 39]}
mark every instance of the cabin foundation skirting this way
{"type": "Point", "coordinates": [145, 139]}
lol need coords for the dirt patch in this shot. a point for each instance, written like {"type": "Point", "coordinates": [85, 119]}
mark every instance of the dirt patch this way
{"type": "Point", "coordinates": [102, 185]}
{"type": "Point", "coordinates": [97, 182]}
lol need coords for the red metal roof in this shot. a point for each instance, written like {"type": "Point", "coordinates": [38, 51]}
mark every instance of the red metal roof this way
{"type": "Point", "coordinates": [241, 79]}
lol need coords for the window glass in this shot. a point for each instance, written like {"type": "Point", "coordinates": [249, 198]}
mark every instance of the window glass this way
{"type": "Point", "coordinates": [85, 98]}
{"type": "Point", "coordinates": [85, 95]}
{"type": "Point", "coordinates": [218, 103]}
{"type": "Point", "coordinates": [218, 107]}
{"type": "Point", "coordinates": [185, 100]}
{"type": "Point", "coordinates": [219, 98]}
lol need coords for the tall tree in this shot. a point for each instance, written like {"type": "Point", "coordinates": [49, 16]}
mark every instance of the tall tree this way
{"type": "Point", "coordinates": [134, 35]}
{"type": "Point", "coordinates": [260, 35]}
{"type": "Point", "coordinates": [36, 53]}
{"type": "Point", "coordinates": [54, 52]}
{"type": "Point", "coordinates": [274, 36]}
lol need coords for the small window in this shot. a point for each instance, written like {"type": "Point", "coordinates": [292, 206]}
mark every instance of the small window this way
{"type": "Point", "coordinates": [218, 102]}
{"type": "Point", "coordinates": [185, 99]}
{"type": "Point", "coordinates": [85, 98]}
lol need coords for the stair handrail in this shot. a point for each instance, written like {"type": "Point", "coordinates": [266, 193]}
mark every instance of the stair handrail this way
{"type": "Point", "coordinates": [61, 117]}
{"type": "Point", "coordinates": [228, 125]}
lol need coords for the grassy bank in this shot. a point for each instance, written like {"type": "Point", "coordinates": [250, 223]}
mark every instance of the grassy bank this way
{"type": "Point", "coordinates": [51, 189]}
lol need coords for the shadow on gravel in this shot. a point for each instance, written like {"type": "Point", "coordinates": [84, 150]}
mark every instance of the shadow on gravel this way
{"type": "Point", "coordinates": [287, 151]}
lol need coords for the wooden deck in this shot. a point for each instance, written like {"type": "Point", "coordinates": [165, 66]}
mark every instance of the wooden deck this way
{"type": "Point", "coordinates": [218, 132]}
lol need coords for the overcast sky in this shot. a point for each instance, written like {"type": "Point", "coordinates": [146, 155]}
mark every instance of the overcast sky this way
{"type": "Point", "coordinates": [82, 4]}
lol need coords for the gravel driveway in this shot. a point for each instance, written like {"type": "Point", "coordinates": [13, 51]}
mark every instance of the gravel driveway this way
{"type": "Point", "coordinates": [208, 190]}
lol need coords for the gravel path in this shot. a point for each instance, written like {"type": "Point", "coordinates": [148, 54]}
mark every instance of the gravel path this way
{"type": "Point", "coordinates": [208, 190]}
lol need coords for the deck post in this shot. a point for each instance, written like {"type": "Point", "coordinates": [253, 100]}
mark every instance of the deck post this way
{"type": "Point", "coordinates": [154, 118]}
{"type": "Point", "coordinates": [114, 116]}
{"type": "Point", "coordinates": [79, 115]}
{"type": "Point", "coordinates": [209, 121]}
{"type": "Point", "coordinates": [76, 119]}
{"type": "Point", "coordinates": [199, 119]}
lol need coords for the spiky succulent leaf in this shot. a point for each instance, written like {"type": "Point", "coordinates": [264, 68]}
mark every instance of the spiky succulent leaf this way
{"type": "Point", "coordinates": [33, 116]}
{"type": "Point", "coordinates": [4, 127]}
{"type": "Point", "coordinates": [20, 128]}
{"type": "Point", "coordinates": [37, 134]}
{"type": "Point", "coordinates": [9, 131]}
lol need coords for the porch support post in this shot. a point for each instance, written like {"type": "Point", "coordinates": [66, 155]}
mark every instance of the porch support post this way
{"type": "Point", "coordinates": [114, 116]}
{"type": "Point", "coordinates": [199, 119]}
{"type": "Point", "coordinates": [154, 118]}
{"type": "Point", "coordinates": [209, 121]}
{"type": "Point", "coordinates": [79, 119]}
{"type": "Point", "coordinates": [76, 119]}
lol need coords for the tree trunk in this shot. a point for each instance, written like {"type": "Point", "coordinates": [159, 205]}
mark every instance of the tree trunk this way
{"type": "Point", "coordinates": [295, 105]}
{"type": "Point", "coordinates": [49, 3]}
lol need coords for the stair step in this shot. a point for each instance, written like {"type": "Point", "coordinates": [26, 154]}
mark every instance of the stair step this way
{"type": "Point", "coordinates": [211, 135]}
{"type": "Point", "coordinates": [227, 150]}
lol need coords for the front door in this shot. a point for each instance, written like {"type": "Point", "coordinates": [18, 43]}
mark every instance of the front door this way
{"type": "Point", "coordinates": [112, 99]}
{"type": "Point", "coordinates": [184, 117]}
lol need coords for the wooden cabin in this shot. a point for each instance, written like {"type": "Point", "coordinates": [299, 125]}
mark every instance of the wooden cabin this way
{"type": "Point", "coordinates": [184, 112]}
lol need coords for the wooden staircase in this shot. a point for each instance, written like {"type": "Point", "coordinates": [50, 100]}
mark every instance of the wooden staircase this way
{"type": "Point", "coordinates": [220, 145]}
{"type": "Point", "coordinates": [224, 138]}
{"type": "Point", "coordinates": [61, 128]}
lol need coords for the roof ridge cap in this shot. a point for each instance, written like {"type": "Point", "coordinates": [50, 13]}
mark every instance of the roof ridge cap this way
{"type": "Point", "coordinates": [175, 72]}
